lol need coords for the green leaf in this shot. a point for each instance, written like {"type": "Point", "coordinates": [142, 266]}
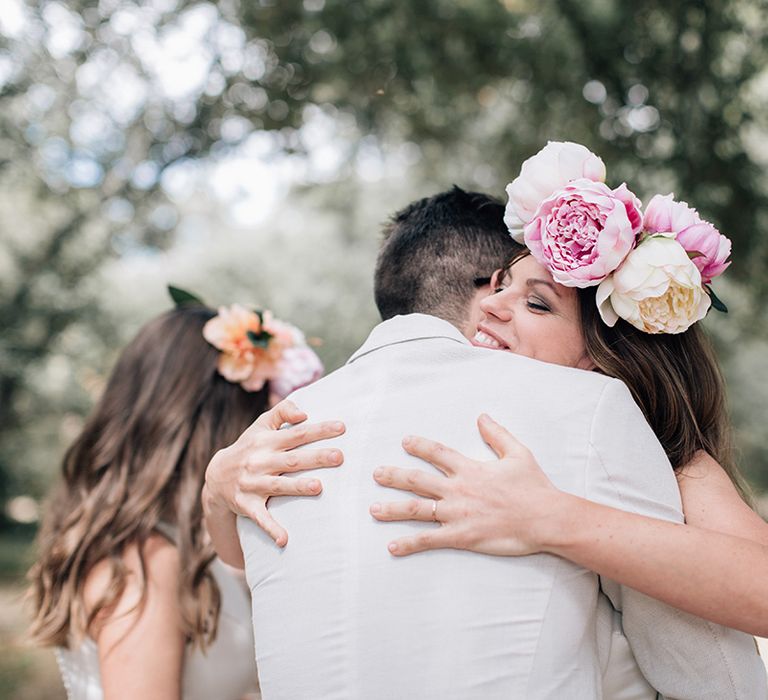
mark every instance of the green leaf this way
{"type": "Point", "coordinates": [181, 297]}
{"type": "Point", "coordinates": [259, 340]}
{"type": "Point", "coordinates": [693, 254]}
{"type": "Point", "coordinates": [716, 301]}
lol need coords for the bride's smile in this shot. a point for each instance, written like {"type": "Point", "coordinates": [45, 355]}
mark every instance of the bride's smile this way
{"type": "Point", "coordinates": [484, 339]}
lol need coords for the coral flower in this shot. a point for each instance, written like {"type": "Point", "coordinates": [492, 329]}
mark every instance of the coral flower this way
{"type": "Point", "coordinates": [257, 348]}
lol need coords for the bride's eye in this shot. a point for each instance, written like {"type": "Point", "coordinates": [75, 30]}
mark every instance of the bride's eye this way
{"type": "Point", "coordinates": [538, 305]}
{"type": "Point", "coordinates": [496, 290]}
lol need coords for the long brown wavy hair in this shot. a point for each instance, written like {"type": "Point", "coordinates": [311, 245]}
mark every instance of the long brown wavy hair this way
{"type": "Point", "coordinates": [138, 463]}
{"type": "Point", "coordinates": [675, 379]}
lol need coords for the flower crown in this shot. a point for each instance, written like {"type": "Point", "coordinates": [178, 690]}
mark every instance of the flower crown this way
{"type": "Point", "coordinates": [257, 348]}
{"type": "Point", "coordinates": [654, 270]}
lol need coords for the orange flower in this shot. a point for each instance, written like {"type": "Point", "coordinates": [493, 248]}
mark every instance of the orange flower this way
{"type": "Point", "coordinates": [242, 360]}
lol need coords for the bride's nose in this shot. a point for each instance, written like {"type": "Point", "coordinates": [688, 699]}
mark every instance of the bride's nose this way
{"type": "Point", "coordinates": [494, 305]}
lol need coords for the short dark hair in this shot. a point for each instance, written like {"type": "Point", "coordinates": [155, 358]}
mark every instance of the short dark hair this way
{"type": "Point", "coordinates": [437, 251]}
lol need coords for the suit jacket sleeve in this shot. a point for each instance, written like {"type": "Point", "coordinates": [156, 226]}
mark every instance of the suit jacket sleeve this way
{"type": "Point", "coordinates": [682, 656]}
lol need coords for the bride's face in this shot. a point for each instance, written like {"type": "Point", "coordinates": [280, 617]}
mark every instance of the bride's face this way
{"type": "Point", "coordinates": [529, 314]}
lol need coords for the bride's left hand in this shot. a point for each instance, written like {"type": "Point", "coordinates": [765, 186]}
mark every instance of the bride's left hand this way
{"type": "Point", "coordinates": [501, 507]}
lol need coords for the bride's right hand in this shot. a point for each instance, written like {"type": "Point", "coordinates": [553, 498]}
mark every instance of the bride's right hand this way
{"type": "Point", "coordinates": [241, 478]}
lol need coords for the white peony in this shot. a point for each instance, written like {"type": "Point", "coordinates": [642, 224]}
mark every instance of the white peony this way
{"type": "Point", "coordinates": [553, 167]}
{"type": "Point", "coordinates": [657, 289]}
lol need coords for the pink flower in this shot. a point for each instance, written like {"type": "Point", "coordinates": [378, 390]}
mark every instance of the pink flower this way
{"type": "Point", "coordinates": [553, 167]}
{"type": "Point", "coordinates": [711, 248]}
{"type": "Point", "coordinates": [298, 364]}
{"type": "Point", "coordinates": [298, 367]}
{"type": "Point", "coordinates": [583, 232]}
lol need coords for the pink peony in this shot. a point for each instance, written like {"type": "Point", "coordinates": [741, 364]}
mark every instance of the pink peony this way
{"type": "Point", "coordinates": [298, 367]}
{"type": "Point", "coordinates": [583, 232]}
{"type": "Point", "coordinates": [553, 167]}
{"type": "Point", "coordinates": [711, 248]}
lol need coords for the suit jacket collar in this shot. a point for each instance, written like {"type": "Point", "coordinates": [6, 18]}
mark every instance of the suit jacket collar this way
{"type": "Point", "coordinates": [404, 329]}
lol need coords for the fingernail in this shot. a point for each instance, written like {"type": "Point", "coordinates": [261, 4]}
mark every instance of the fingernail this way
{"type": "Point", "coordinates": [335, 456]}
{"type": "Point", "coordinates": [376, 508]}
{"type": "Point", "coordinates": [407, 439]}
{"type": "Point", "coordinates": [378, 472]}
{"type": "Point", "coordinates": [314, 485]}
{"type": "Point", "coordinates": [337, 426]}
{"type": "Point", "coordinates": [392, 547]}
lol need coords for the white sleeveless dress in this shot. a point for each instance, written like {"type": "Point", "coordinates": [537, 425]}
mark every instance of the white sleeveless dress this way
{"type": "Point", "coordinates": [227, 670]}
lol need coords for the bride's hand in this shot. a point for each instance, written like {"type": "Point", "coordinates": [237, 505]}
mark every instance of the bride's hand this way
{"type": "Point", "coordinates": [499, 507]}
{"type": "Point", "coordinates": [241, 478]}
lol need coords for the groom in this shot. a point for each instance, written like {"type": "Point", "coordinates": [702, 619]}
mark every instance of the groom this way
{"type": "Point", "coordinates": [335, 616]}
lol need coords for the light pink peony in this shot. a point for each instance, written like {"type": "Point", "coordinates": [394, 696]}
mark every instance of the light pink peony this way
{"type": "Point", "coordinates": [583, 232]}
{"type": "Point", "coordinates": [711, 248]}
{"type": "Point", "coordinates": [553, 167]}
{"type": "Point", "coordinates": [298, 367]}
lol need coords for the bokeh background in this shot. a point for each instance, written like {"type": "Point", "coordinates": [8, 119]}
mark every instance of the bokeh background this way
{"type": "Point", "coordinates": [249, 150]}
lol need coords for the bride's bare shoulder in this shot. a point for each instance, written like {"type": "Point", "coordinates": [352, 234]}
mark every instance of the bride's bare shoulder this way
{"type": "Point", "coordinates": [160, 570]}
{"type": "Point", "coordinates": [702, 466]}
{"type": "Point", "coordinates": [139, 635]}
{"type": "Point", "coordinates": [710, 500]}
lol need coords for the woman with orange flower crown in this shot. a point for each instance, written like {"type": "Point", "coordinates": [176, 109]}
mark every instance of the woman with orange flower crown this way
{"type": "Point", "coordinates": [126, 586]}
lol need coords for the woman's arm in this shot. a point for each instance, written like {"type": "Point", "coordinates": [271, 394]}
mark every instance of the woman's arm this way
{"type": "Point", "coordinates": [510, 507]}
{"type": "Point", "coordinates": [241, 478]}
{"type": "Point", "coordinates": [140, 644]}
{"type": "Point", "coordinates": [718, 576]}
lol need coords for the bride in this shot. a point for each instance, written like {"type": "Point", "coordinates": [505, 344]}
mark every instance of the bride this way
{"type": "Point", "coordinates": [126, 586]}
{"type": "Point", "coordinates": [711, 567]}
{"type": "Point", "coordinates": [633, 317]}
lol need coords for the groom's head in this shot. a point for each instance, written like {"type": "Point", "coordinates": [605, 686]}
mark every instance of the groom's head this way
{"type": "Point", "coordinates": [438, 255]}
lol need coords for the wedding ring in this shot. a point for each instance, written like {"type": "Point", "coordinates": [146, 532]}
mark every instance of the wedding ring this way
{"type": "Point", "coordinates": [434, 510]}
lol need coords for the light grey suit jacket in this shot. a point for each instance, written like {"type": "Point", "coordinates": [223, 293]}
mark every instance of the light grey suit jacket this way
{"type": "Point", "coordinates": [335, 616]}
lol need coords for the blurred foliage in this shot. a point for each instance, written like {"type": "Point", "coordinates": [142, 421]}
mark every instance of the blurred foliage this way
{"type": "Point", "coordinates": [15, 554]}
{"type": "Point", "coordinates": [26, 673]}
{"type": "Point", "coordinates": [112, 112]}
